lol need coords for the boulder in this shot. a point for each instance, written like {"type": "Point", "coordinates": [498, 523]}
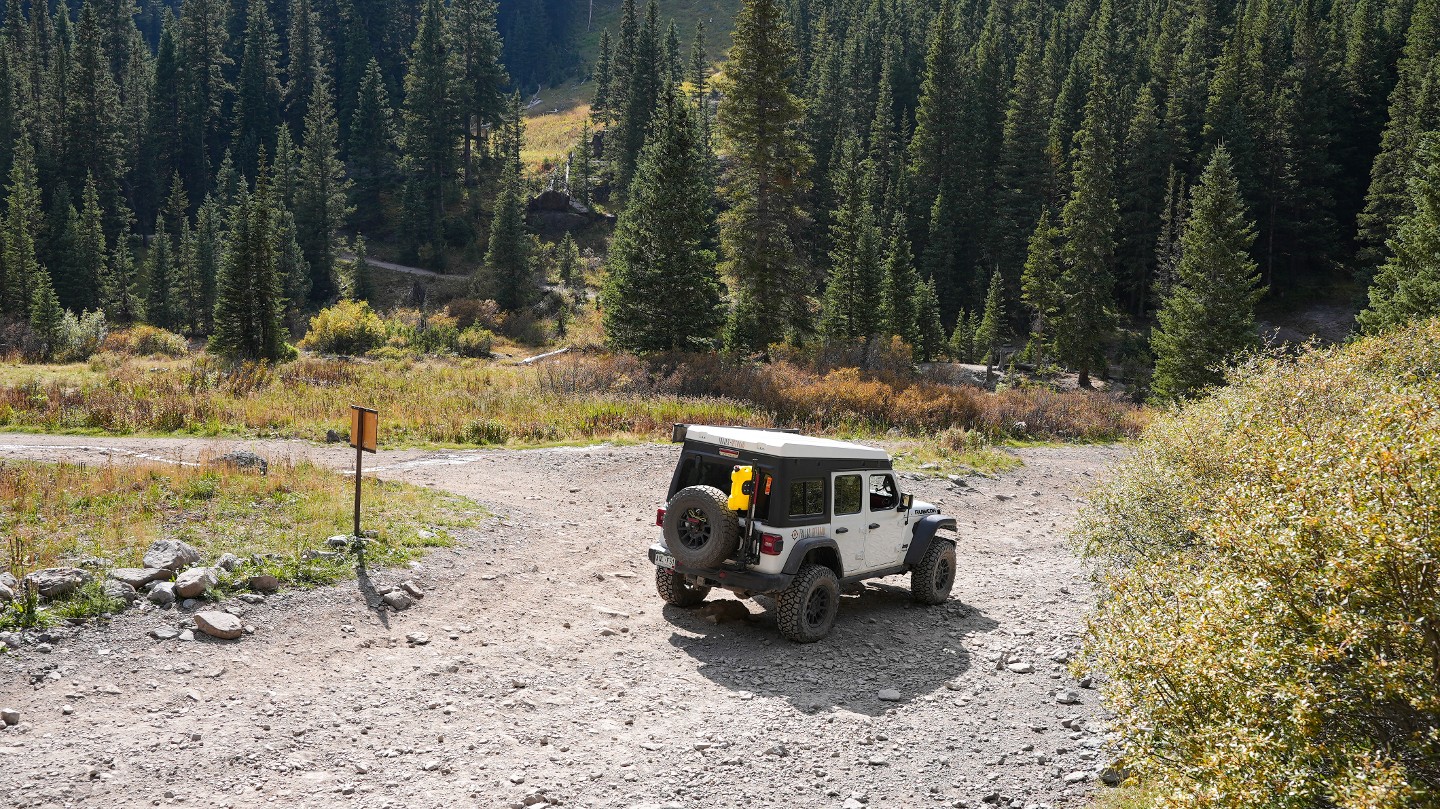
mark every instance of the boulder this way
{"type": "Point", "coordinates": [195, 582]}
{"type": "Point", "coordinates": [170, 554]}
{"type": "Point", "coordinates": [138, 577]}
{"type": "Point", "coordinates": [58, 582]}
{"type": "Point", "coordinates": [398, 600]}
{"type": "Point", "coordinates": [121, 591]}
{"type": "Point", "coordinates": [245, 461]}
{"type": "Point", "coordinates": [161, 593]}
{"type": "Point", "coordinates": [228, 562]}
{"type": "Point", "coordinates": [264, 583]}
{"type": "Point", "coordinates": [217, 624]}
{"type": "Point", "coordinates": [10, 581]}
{"type": "Point", "coordinates": [6, 594]}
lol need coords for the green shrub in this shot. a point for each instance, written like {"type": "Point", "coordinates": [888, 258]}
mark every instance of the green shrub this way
{"type": "Point", "coordinates": [146, 341]}
{"type": "Point", "coordinates": [1270, 609]}
{"type": "Point", "coordinates": [474, 342]}
{"type": "Point", "coordinates": [349, 327]}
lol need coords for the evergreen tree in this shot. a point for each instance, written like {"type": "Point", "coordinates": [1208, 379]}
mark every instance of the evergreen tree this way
{"type": "Point", "coordinates": [205, 262]}
{"type": "Point", "coordinates": [1407, 288]}
{"type": "Point", "coordinates": [1041, 281]}
{"type": "Point", "coordinates": [203, 62]}
{"type": "Point", "coordinates": [758, 122]}
{"type": "Point", "coordinates": [20, 269]}
{"type": "Point", "coordinates": [257, 93]}
{"type": "Point", "coordinates": [291, 268]}
{"type": "Point", "coordinates": [481, 82]}
{"type": "Point", "coordinates": [117, 287]}
{"type": "Point", "coordinates": [962, 339]}
{"type": "Point", "coordinates": [932, 332]}
{"type": "Point", "coordinates": [372, 143]}
{"type": "Point", "coordinates": [991, 331]}
{"type": "Point", "coordinates": [599, 107]}
{"type": "Point", "coordinates": [1209, 315]}
{"type": "Point", "coordinates": [852, 289]}
{"type": "Point", "coordinates": [47, 319]}
{"type": "Point", "coordinates": [580, 167]}
{"type": "Point", "coordinates": [662, 292]}
{"type": "Point", "coordinates": [900, 286]}
{"type": "Point", "coordinates": [250, 299]}
{"type": "Point", "coordinates": [1142, 189]}
{"type": "Point", "coordinates": [306, 58]}
{"type": "Point", "coordinates": [509, 278]}
{"type": "Point", "coordinates": [567, 262]}
{"type": "Point", "coordinates": [431, 126]}
{"type": "Point", "coordinates": [92, 254]}
{"type": "Point", "coordinates": [322, 197]}
{"type": "Point", "coordinates": [163, 306]}
{"type": "Point", "coordinates": [94, 143]}
{"type": "Point", "coordinates": [642, 86]}
{"type": "Point", "coordinates": [362, 275]}
{"type": "Point", "coordinates": [1085, 316]}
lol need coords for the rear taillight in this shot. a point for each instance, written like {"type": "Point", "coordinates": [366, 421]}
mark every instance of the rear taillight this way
{"type": "Point", "coordinates": [771, 544]}
{"type": "Point", "coordinates": [660, 517]}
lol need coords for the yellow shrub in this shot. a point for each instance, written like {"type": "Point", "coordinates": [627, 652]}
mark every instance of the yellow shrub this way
{"type": "Point", "coordinates": [348, 327]}
{"type": "Point", "coordinates": [1268, 557]}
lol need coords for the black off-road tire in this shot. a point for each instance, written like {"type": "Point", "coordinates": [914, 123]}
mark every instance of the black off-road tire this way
{"type": "Point", "coordinates": [675, 590]}
{"type": "Point", "coordinates": [931, 580]}
{"type": "Point", "coordinates": [806, 609]}
{"type": "Point", "coordinates": [700, 528]}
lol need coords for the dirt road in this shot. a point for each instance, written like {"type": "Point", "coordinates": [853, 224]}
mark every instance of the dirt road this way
{"type": "Point", "coordinates": [551, 672]}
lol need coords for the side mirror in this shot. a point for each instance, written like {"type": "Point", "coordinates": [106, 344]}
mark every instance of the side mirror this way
{"type": "Point", "coordinates": [906, 501]}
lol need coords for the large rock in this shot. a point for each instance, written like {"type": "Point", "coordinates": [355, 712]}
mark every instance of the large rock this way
{"type": "Point", "coordinates": [58, 582]}
{"type": "Point", "coordinates": [264, 583]}
{"type": "Point", "coordinates": [195, 582]}
{"type": "Point", "coordinates": [120, 590]}
{"type": "Point", "coordinates": [6, 594]}
{"type": "Point", "coordinates": [7, 580]}
{"type": "Point", "coordinates": [228, 562]}
{"type": "Point", "coordinates": [162, 593]}
{"type": "Point", "coordinates": [245, 461]}
{"type": "Point", "coordinates": [171, 554]}
{"type": "Point", "coordinates": [138, 577]}
{"type": "Point", "coordinates": [219, 625]}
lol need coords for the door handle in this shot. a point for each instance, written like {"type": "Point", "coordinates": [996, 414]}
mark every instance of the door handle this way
{"type": "Point", "coordinates": [842, 530]}
{"type": "Point", "coordinates": [874, 525]}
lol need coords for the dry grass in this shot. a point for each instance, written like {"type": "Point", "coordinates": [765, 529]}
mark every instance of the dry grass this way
{"type": "Point", "coordinates": [552, 128]}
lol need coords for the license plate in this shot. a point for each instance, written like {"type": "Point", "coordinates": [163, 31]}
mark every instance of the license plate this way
{"type": "Point", "coordinates": [665, 560]}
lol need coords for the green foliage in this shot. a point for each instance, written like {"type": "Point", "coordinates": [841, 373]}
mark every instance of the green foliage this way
{"type": "Point", "coordinates": [1266, 560]}
{"type": "Point", "coordinates": [509, 276]}
{"type": "Point", "coordinates": [348, 328]}
{"type": "Point", "coordinates": [250, 303]}
{"type": "Point", "coordinates": [147, 341]}
{"type": "Point", "coordinates": [991, 331]}
{"type": "Point", "coordinates": [1208, 316]}
{"type": "Point", "coordinates": [1407, 288]}
{"type": "Point", "coordinates": [662, 292]}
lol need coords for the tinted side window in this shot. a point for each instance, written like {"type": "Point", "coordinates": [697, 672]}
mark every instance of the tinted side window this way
{"type": "Point", "coordinates": [807, 497]}
{"type": "Point", "coordinates": [847, 494]}
{"type": "Point", "coordinates": [883, 496]}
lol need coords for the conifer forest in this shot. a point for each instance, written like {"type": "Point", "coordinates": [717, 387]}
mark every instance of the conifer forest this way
{"type": "Point", "coordinates": [1086, 185]}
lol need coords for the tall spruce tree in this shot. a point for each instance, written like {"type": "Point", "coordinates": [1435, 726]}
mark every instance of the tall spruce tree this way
{"type": "Point", "coordinates": [431, 129]}
{"type": "Point", "coordinates": [250, 296]}
{"type": "Point", "coordinates": [203, 62]}
{"type": "Point", "coordinates": [1407, 288]}
{"type": "Point", "coordinates": [900, 286]}
{"type": "Point", "coordinates": [117, 287]}
{"type": "Point", "coordinates": [372, 144]}
{"type": "Point", "coordinates": [163, 301]}
{"type": "Point", "coordinates": [1209, 315]}
{"type": "Point", "coordinates": [764, 182]}
{"type": "Point", "coordinates": [849, 310]}
{"type": "Point", "coordinates": [91, 251]}
{"type": "Point", "coordinates": [1041, 282]}
{"type": "Point", "coordinates": [307, 56]}
{"type": "Point", "coordinates": [642, 86]}
{"type": "Point", "coordinates": [322, 195]}
{"type": "Point", "coordinates": [992, 331]}
{"type": "Point", "coordinates": [662, 292]}
{"type": "Point", "coordinates": [20, 268]}
{"type": "Point", "coordinates": [509, 276]}
{"type": "Point", "coordinates": [480, 86]}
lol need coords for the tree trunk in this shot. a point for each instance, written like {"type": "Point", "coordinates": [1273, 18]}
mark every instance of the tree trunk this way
{"type": "Point", "coordinates": [1085, 379]}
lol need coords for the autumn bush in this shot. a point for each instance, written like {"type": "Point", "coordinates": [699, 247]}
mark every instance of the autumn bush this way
{"type": "Point", "coordinates": [1269, 562]}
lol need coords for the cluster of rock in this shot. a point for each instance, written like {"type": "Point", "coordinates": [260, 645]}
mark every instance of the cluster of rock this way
{"type": "Point", "coordinates": [171, 574]}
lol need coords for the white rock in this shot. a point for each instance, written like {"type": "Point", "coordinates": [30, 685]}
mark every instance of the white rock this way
{"type": "Point", "coordinates": [1077, 777]}
{"type": "Point", "coordinates": [398, 600]}
{"type": "Point", "coordinates": [219, 624]}
{"type": "Point", "coordinates": [1068, 697]}
{"type": "Point", "coordinates": [1021, 668]}
{"type": "Point", "coordinates": [162, 593]}
{"type": "Point", "coordinates": [418, 638]}
{"type": "Point", "coordinates": [58, 582]}
{"type": "Point", "coordinates": [889, 695]}
{"type": "Point", "coordinates": [195, 582]}
{"type": "Point", "coordinates": [9, 716]}
{"type": "Point", "coordinates": [170, 554]}
{"type": "Point", "coordinates": [138, 577]}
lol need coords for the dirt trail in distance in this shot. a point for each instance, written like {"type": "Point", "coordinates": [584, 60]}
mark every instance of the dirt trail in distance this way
{"type": "Point", "coordinates": [553, 673]}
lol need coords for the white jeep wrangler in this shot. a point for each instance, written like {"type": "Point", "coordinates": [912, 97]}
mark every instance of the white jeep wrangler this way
{"type": "Point", "coordinates": [769, 511]}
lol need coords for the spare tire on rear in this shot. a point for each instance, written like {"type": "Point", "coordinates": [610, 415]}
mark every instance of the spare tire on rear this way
{"type": "Point", "coordinates": [700, 528]}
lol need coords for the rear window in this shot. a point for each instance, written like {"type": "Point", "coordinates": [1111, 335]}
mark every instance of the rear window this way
{"type": "Point", "coordinates": [847, 494]}
{"type": "Point", "coordinates": [807, 498]}
{"type": "Point", "coordinates": [698, 470]}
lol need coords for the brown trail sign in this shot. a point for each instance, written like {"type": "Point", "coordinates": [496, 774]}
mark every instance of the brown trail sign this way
{"type": "Point", "coordinates": [364, 437]}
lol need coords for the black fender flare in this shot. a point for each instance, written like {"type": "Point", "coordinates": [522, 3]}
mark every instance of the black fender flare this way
{"type": "Point", "coordinates": [923, 532]}
{"type": "Point", "coordinates": [804, 546]}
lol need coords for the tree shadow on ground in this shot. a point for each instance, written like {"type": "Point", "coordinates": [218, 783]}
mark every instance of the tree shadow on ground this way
{"type": "Point", "coordinates": [882, 641]}
{"type": "Point", "coordinates": [368, 591]}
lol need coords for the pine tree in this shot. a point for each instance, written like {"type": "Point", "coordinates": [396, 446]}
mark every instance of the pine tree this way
{"type": "Point", "coordinates": [1142, 189]}
{"type": "Point", "coordinates": [962, 338]}
{"type": "Point", "coordinates": [509, 277]}
{"type": "Point", "coordinates": [482, 79]}
{"type": "Point", "coordinates": [372, 143]}
{"type": "Point", "coordinates": [600, 106]}
{"type": "Point", "coordinates": [758, 122]}
{"type": "Point", "coordinates": [162, 303]}
{"type": "Point", "coordinates": [852, 287]}
{"type": "Point", "coordinates": [932, 332]}
{"type": "Point", "coordinates": [642, 86]}
{"type": "Point", "coordinates": [431, 127]}
{"type": "Point", "coordinates": [285, 170]}
{"type": "Point", "coordinates": [567, 262]}
{"type": "Point", "coordinates": [1085, 316]}
{"type": "Point", "coordinates": [1209, 316]}
{"type": "Point", "coordinates": [306, 52]}
{"type": "Point", "coordinates": [1407, 288]}
{"type": "Point", "coordinates": [90, 268]}
{"type": "Point", "coordinates": [20, 269]}
{"type": "Point", "coordinates": [662, 292]}
{"type": "Point", "coordinates": [1041, 280]}
{"type": "Point", "coordinates": [94, 143]}
{"type": "Point", "coordinates": [899, 286]}
{"type": "Point", "coordinates": [699, 74]}
{"type": "Point", "coordinates": [580, 167]}
{"type": "Point", "coordinates": [206, 261]}
{"type": "Point", "coordinates": [250, 300]}
{"type": "Point", "coordinates": [202, 66]}
{"type": "Point", "coordinates": [291, 268]}
{"type": "Point", "coordinates": [362, 275]}
{"type": "Point", "coordinates": [117, 287]}
{"type": "Point", "coordinates": [257, 92]}
{"type": "Point", "coordinates": [322, 198]}
{"type": "Point", "coordinates": [991, 331]}
{"type": "Point", "coordinates": [47, 319]}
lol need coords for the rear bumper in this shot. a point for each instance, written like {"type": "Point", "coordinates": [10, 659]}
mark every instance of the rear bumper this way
{"type": "Point", "coordinates": [748, 580]}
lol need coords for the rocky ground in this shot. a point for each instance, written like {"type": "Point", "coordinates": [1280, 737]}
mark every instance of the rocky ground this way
{"type": "Point", "coordinates": [540, 667]}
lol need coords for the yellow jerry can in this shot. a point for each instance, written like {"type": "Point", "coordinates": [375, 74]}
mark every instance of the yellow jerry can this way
{"type": "Point", "coordinates": [742, 485]}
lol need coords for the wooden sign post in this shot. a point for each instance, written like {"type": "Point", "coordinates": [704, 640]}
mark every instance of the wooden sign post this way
{"type": "Point", "coordinates": [364, 437]}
